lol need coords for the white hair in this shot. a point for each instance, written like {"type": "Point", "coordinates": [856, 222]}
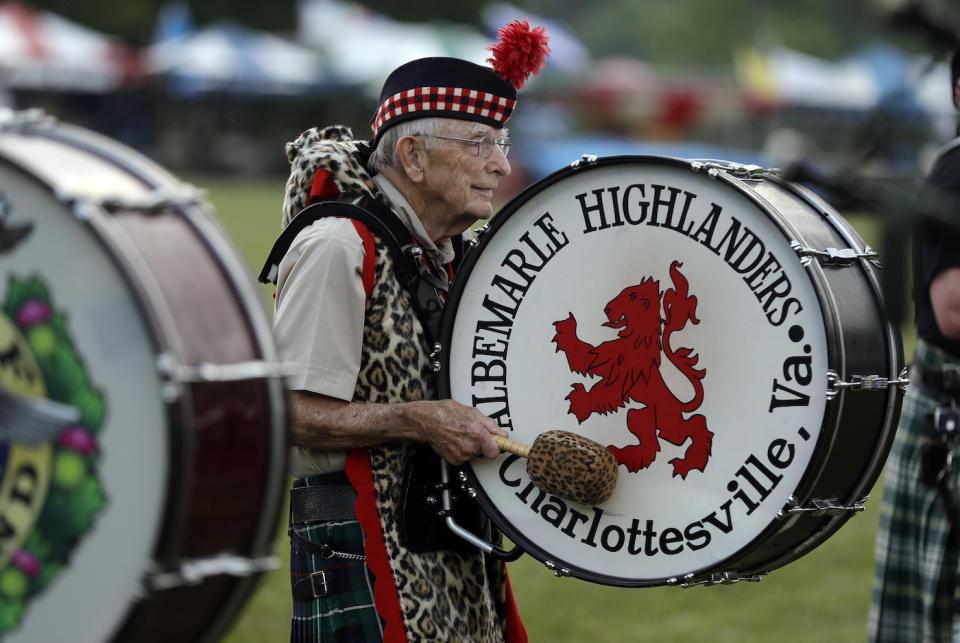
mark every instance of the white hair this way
{"type": "Point", "coordinates": [384, 156]}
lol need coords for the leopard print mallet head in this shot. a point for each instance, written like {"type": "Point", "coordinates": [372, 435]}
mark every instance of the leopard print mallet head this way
{"type": "Point", "coordinates": [567, 465]}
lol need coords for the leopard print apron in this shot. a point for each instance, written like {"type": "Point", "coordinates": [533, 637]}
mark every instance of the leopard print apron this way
{"type": "Point", "coordinates": [443, 596]}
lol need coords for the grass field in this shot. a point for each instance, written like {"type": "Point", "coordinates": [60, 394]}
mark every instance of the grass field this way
{"type": "Point", "coordinates": [824, 596]}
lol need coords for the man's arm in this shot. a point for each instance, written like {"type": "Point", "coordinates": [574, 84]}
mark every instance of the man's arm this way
{"type": "Point", "coordinates": [945, 300]}
{"type": "Point", "coordinates": [456, 432]}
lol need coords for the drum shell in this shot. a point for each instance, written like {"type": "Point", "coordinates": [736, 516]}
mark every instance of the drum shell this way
{"type": "Point", "coordinates": [858, 426]}
{"type": "Point", "coordinates": [225, 438]}
{"type": "Point", "coordinates": [863, 342]}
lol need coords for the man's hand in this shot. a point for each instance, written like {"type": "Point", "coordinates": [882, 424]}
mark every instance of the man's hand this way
{"type": "Point", "coordinates": [945, 299]}
{"type": "Point", "coordinates": [456, 432]}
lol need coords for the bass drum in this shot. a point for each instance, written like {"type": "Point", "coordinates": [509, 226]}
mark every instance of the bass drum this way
{"type": "Point", "coordinates": [721, 330]}
{"type": "Point", "coordinates": [149, 514]}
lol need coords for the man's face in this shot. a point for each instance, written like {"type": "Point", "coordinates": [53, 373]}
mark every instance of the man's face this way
{"type": "Point", "coordinates": [459, 184]}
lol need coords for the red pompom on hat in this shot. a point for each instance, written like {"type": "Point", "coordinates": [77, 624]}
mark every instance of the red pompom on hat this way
{"type": "Point", "coordinates": [521, 51]}
{"type": "Point", "coordinates": [454, 88]}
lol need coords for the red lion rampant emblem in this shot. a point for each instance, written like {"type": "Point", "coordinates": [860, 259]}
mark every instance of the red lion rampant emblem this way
{"type": "Point", "coordinates": [629, 371]}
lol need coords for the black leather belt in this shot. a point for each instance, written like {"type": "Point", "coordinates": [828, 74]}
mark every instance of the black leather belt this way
{"type": "Point", "coordinates": [941, 384]}
{"type": "Point", "coordinates": [327, 502]}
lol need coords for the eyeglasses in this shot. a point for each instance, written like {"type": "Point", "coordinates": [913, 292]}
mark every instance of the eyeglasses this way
{"type": "Point", "coordinates": [484, 145]}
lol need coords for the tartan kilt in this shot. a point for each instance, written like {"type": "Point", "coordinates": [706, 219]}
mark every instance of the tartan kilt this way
{"type": "Point", "coordinates": [347, 615]}
{"type": "Point", "coordinates": [915, 591]}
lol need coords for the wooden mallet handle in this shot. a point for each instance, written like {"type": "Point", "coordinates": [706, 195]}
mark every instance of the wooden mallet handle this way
{"type": "Point", "coordinates": [511, 446]}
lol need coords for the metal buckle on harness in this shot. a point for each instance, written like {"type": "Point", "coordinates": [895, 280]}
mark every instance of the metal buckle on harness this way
{"type": "Point", "coordinates": [950, 376]}
{"type": "Point", "coordinates": [323, 583]}
{"type": "Point", "coordinates": [946, 420]}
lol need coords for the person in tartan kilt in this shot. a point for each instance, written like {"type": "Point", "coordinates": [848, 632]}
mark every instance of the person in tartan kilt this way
{"type": "Point", "coordinates": [916, 593]}
{"type": "Point", "coordinates": [358, 333]}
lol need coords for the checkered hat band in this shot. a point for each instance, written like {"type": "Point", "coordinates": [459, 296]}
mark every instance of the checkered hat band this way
{"type": "Point", "coordinates": [444, 99]}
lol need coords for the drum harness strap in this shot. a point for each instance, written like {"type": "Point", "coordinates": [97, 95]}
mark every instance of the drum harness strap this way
{"type": "Point", "coordinates": [427, 291]}
{"type": "Point", "coordinates": [336, 501]}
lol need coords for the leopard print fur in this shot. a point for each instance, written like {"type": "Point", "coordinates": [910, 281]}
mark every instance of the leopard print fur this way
{"type": "Point", "coordinates": [571, 466]}
{"type": "Point", "coordinates": [444, 596]}
{"type": "Point", "coordinates": [332, 149]}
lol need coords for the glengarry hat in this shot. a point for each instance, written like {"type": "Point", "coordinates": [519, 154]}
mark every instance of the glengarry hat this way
{"type": "Point", "coordinates": [455, 88]}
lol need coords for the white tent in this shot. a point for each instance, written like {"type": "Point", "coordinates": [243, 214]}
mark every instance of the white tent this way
{"type": "Point", "coordinates": [229, 57]}
{"type": "Point", "coordinates": [41, 50]}
{"type": "Point", "coordinates": [796, 78]}
{"type": "Point", "coordinates": [364, 47]}
{"type": "Point", "coordinates": [875, 75]}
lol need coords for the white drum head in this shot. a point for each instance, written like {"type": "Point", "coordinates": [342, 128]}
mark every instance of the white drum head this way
{"type": "Point", "coordinates": [713, 470]}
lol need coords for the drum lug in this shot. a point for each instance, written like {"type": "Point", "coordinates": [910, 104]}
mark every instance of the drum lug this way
{"type": "Point", "coordinates": [477, 233]}
{"type": "Point", "coordinates": [834, 256]}
{"type": "Point", "coordinates": [18, 121]}
{"type": "Point", "coordinates": [559, 572]}
{"type": "Point", "coordinates": [465, 485]}
{"type": "Point", "coordinates": [864, 383]}
{"type": "Point", "coordinates": [715, 578]}
{"type": "Point", "coordinates": [170, 388]}
{"type": "Point", "coordinates": [195, 571]}
{"type": "Point", "coordinates": [585, 160]}
{"type": "Point", "coordinates": [81, 208]}
{"type": "Point", "coordinates": [435, 357]}
{"type": "Point", "coordinates": [820, 507]}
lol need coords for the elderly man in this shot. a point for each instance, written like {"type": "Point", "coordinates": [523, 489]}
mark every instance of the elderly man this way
{"type": "Point", "coordinates": [358, 329]}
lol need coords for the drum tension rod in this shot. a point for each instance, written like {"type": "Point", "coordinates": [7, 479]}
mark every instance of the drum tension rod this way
{"type": "Point", "coordinates": [23, 120]}
{"type": "Point", "coordinates": [160, 200]}
{"type": "Point", "coordinates": [716, 578]}
{"type": "Point", "coordinates": [820, 507]}
{"type": "Point", "coordinates": [739, 170]}
{"type": "Point", "coordinates": [195, 571]}
{"type": "Point", "coordinates": [559, 572]}
{"type": "Point", "coordinates": [174, 374]}
{"type": "Point", "coordinates": [584, 160]}
{"type": "Point", "coordinates": [864, 383]}
{"type": "Point", "coordinates": [834, 256]}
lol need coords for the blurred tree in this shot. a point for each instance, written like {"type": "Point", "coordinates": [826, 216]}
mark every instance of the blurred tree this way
{"type": "Point", "coordinates": [276, 15]}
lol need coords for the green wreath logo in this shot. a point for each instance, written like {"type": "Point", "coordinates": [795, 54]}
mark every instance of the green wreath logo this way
{"type": "Point", "coordinates": [49, 492]}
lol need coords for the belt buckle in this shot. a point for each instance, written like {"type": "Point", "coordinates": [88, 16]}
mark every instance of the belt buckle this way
{"type": "Point", "coordinates": [323, 582]}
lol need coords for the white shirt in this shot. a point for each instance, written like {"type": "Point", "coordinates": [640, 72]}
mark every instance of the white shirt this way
{"type": "Point", "coordinates": [320, 309]}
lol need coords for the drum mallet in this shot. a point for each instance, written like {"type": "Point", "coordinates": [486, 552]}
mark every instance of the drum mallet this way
{"type": "Point", "coordinates": [567, 465]}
